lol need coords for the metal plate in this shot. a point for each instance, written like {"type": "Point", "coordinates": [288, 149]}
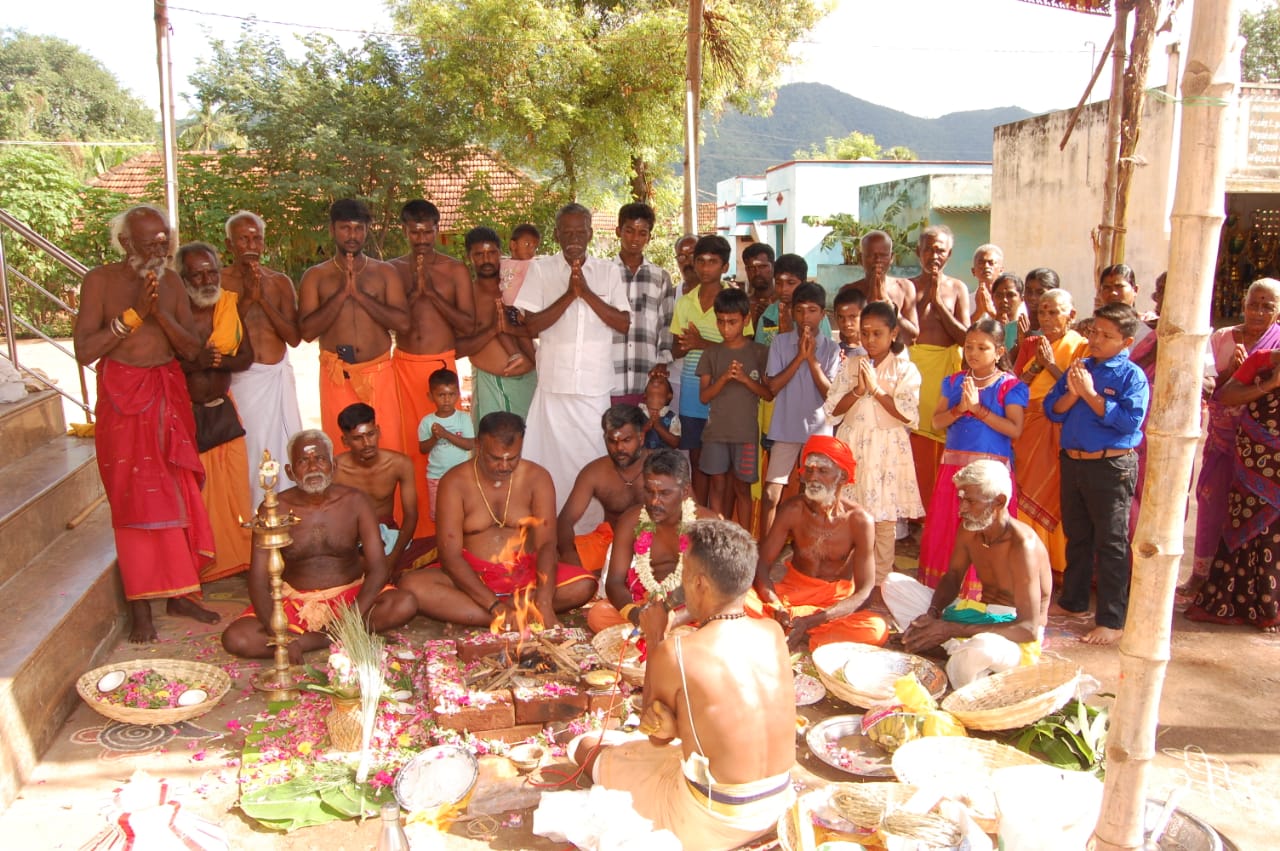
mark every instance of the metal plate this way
{"type": "Point", "coordinates": [838, 741]}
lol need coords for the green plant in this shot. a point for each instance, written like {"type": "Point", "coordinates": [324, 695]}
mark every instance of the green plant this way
{"type": "Point", "coordinates": [1073, 738]}
{"type": "Point", "coordinates": [847, 232]}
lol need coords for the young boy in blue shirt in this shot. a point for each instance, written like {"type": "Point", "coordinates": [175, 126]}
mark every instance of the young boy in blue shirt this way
{"type": "Point", "coordinates": [802, 365]}
{"type": "Point", "coordinates": [1101, 402]}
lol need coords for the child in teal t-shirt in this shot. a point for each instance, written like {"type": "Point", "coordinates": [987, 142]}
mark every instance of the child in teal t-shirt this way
{"type": "Point", "coordinates": [447, 436]}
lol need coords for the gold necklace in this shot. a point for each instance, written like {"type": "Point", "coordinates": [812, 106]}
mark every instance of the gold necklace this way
{"type": "Point", "coordinates": [506, 509]}
{"type": "Point", "coordinates": [344, 268]}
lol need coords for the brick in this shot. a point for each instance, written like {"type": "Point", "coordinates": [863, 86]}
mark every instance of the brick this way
{"type": "Point", "coordinates": [533, 707]}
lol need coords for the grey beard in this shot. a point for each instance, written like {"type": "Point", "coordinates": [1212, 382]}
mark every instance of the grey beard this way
{"type": "Point", "coordinates": [820, 493]}
{"type": "Point", "coordinates": [314, 483]}
{"type": "Point", "coordinates": [141, 266]}
{"type": "Point", "coordinates": [203, 297]}
{"type": "Point", "coordinates": [978, 523]}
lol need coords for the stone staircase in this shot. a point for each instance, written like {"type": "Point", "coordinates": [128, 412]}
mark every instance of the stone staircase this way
{"type": "Point", "coordinates": [59, 588]}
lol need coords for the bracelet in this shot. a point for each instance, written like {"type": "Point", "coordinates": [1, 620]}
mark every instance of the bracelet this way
{"type": "Point", "coordinates": [983, 413]}
{"type": "Point", "coordinates": [131, 319]}
{"type": "Point", "coordinates": [626, 610]}
{"type": "Point", "coordinates": [118, 328]}
{"type": "Point", "coordinates": [497, 601]}
{"type": "Point", "coordinates": [933, 612]}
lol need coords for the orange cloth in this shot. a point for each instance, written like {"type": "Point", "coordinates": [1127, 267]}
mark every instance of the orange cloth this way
{"type": "Point", "coordinates": [603, 615]}
{"type": "Point", "coordinates": [1036, 451]}
{"type": "Point", "coordinates": [146, 444]}
{"type": "Point", "coordinates": [803, 595]}
{"type": "Point", "coordinates": [372, 382]}
{"type": "Point", "coordinates": [226, 498]}
{"type": "Point", "coordinates": [835, 449]}
{"type": "Point", "coordinates": [412, 373]}
{"type": "Point", "coordinates": [311, 611]}
{"type": "Point", "coordinates": [593, 547]}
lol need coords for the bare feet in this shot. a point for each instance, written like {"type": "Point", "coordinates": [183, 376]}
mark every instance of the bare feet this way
{"type": "Point", "coordinates": [1271, 630]}
{"type": "Point", "coordinates": [1059, 612]}
{"type": "Point", "coordinates": [185, 607]}
{"type": "Point", "coordinates": [1103, 635]}
{"type": "Point", "coordinates": [144, 630]}
{"type": "Point", "coordinates": [1191, 587]}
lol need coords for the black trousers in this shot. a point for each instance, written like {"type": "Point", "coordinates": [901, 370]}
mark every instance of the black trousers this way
{"type": "Point", "coordinates": [1096, 495]}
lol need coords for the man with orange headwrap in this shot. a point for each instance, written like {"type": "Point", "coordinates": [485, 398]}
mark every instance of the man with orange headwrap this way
{"type": "Point", "coordinates": [832, 570]}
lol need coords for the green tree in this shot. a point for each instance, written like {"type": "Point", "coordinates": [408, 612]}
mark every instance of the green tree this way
{"type": "Point", "coordinates": [42, 191]}
{"type": "Point", "coordinates": [1260, 62]}
{"type": "Point", "coordinates": [207, 128]}
{"type": "Point", "coordinates": [590, 93]}
{"type": "Point", "coordinates": [335, 123]}
{"type": "Point", "coordinates": [52, 90]}
{"type": "Point", "coordinates": [855, 146]}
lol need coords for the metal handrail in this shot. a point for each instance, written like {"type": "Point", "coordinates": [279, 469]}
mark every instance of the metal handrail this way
{"type": "Point", "coordinates": [7, 220]}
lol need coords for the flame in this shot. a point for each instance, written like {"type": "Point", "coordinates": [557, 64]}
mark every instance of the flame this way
{"type": "Point", "coordinates": [527, 617]}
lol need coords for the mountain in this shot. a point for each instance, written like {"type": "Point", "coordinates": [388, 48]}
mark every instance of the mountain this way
{"type": "Point", "coordinates": [807, 113]}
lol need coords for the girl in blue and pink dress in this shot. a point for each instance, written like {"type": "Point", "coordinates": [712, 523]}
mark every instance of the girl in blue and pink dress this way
{"type": "Point", "coordinates": [981, 409]}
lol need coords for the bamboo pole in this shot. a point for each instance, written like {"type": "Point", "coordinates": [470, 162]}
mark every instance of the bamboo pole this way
{"type": "Point", "coordinates": [1105, 233]}
{"type": "Point", "coordinates": [1088, 89]}
{"type": "Point", "coordinates": [1209, 100]}
{"type": "Point", "coordinates": [1135, 96]}
{"type": "Point", "coordinates": [692, 103]}
{"type": "Point", "coordinates": [164, 63]}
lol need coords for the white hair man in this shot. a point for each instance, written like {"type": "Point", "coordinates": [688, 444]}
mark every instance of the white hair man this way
{"type": "Point", "coordinates": [265, 392]}
{"type": "Point", "coordinates": [1005, 628]}
{"type": "Point", "coordinates": [135, 322]}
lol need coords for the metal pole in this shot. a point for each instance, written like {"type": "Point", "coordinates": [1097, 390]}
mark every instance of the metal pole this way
{"type": "Point", "coordinates": [9, 341]}
{"type": "Point", "coordinates": [692, 98]}
{"type": "Point", "coordinates": [164, 61]}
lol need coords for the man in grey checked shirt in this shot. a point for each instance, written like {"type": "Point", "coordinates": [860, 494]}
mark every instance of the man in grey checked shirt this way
{"type": "Point", "coordinates": [645, 350]}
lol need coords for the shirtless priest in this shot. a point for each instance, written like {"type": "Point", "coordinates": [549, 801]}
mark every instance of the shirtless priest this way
{"type": "Point", "coordinates": [705, 688]}
{"type": "Point", "coordinates": [496, 533]}
{"type": "Point", "coordinates": [323, 567]}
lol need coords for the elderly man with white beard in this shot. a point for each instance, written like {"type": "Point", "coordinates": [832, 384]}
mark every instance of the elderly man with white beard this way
{"type": "Point", "coordinates": [1003, 630]}
{"type": "Point", "coordinates": [220, 433]}
{"type": "Point", "coordinates": [336, 558]}
{"type": "Point", "coordinates": [134, 318]}
{"type": "Point", "coordinates": [831, 574]}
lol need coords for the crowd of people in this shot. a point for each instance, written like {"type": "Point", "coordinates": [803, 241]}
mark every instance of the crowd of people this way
{"type": "Point", "coordinates": [615, 412]}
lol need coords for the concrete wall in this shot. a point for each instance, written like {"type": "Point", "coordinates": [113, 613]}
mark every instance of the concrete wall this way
{"type": "Point", "coordinates": [1045, 202]}
{"type": "Point", "coordinates": [821, 188]}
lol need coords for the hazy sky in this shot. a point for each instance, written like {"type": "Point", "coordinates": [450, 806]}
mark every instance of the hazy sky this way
{"type": "Point", "coordinates": [924, 57]}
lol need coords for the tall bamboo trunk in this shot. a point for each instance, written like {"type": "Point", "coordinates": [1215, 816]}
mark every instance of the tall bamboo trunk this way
{"type": "Point", "coordinates": [1209, 101]}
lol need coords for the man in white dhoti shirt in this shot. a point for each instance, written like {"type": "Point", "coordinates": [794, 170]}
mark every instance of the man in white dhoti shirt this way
{"type": "Point", "coordinates": [265, 394]}
{"type": "Point", "coordinates": [574, 303]}
{"type": "Point", "coordinates": [1005, 628]}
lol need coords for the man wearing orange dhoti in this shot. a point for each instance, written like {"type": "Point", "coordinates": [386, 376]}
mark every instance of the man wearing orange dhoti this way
{"type": "Point", "coordinates": [352, 303]}
{"type": "Point", "coordinates": [441, 307]}
{"type": "Point", "coordinates": [832, 572]}
{"type": "Point", "coordinates": [219, 432]}
{"type": "Point", "coordinates": [134, 316]}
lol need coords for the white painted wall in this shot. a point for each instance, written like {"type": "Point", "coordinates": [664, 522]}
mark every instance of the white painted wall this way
{"type": "Point", "coordinates": [1046, 202]}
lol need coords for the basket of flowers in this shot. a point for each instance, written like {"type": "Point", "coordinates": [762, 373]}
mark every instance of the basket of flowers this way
{"type": "Point", "coordinates": [153, 691]}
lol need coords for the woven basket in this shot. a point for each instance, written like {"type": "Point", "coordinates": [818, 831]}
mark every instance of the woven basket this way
{"type": "Point", "coordinates": [1014, 698]}
{"type": "Point", "coordinates": [608, 643]}
{"type": "Point", "coordinates": [212, 680]}
{"type": "Point", "coordinates": [864, 804]}
{"type": "Point", "coordinates": [830, 661]}
{"type": "Point", "coordinates": [960, 769]}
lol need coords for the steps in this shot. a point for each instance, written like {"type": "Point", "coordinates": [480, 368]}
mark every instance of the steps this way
{"type": "Point", "coordinates": [59, 588]}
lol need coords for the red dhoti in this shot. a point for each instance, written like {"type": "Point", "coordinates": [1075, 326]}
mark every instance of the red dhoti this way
{"type": "Point", "coordinates": [372, 382]}
{"type": "Point", "coordinates": [312, 611]}
{"type": "Point", "coordinates": [506, 578]}
{"type": "Point", "coordinates": [803, 595]}
{"type": "Point", "coordinates": [412, 374]}
{"type": "Point", "coordinates": [147, 458]}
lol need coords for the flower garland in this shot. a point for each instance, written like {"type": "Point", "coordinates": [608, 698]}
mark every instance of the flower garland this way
{"type": "Point", "coordinates": [645, 530]}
